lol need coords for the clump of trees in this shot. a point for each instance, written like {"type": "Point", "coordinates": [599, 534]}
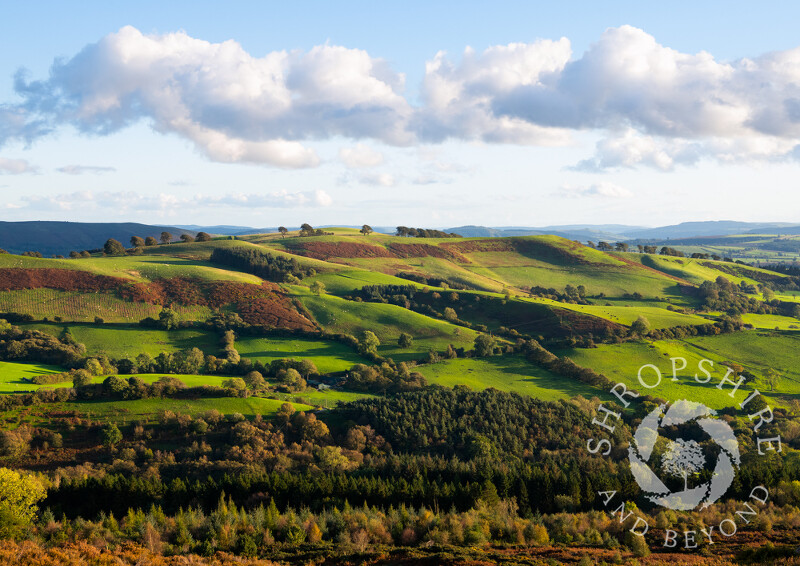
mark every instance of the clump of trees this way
{"type": "Point", "coordinates": [308, 230]}
{"type": "Point", "coordinates": [407, 232]}
{"type": "Point", "coordinates": [33, 345]}
{"type": "Point", "coordinates": [571, 294]}
{"type": "Point", "coordinates": [262, 264]}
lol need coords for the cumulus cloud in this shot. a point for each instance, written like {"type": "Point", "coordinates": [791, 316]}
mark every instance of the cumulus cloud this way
{"type": "Point", "coordinates": [459, 97]}
{"type": "Point", "coordinates": [653, 105]}
{"type": "Point", "coordinates": [82, 169]}
{"type": "Point", "coordinates": [233, 106]}
{"type": "Point", "coordinates": [124, 201]}
{"type": "Point", "coordinates": [360, 157]}
{"type": "Point", "coordinates": [16, 166]}
{"type": "Point", "coordinates": [598, 190]}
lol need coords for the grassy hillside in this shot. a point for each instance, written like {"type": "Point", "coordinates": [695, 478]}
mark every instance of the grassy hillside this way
{"type": "Point", "coordinates": [387, 322]}
{"type": "Point", "coordinates": [327, 355]}
{"type": "Point", "coordinates": [621, 286]}
{"type": "Point", "coordinates": [513, 374]}
{"type": "Point", "coordinates": [123, 341]}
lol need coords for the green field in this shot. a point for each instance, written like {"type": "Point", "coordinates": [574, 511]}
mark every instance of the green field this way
{"type": "Point", "coordinates": [387, 322]}
{"type": "Point", "coordinates": [621, 362]}
{"type": "Point", "coordinates": [506, 373]}
{"type": "Point", "coordinates": [122, 341]}
{"type": "Point", "coordinates": [14, 376]}
{"type": "Point", "coordinates": [771, 321]}
{"type": "Point", "coordinates": [347, 281]}
{"type": "Point", "coordinates": [327, 355]}
{"type": "Point", "coordinates": [757, 351]}
{"type": "Point", "coordinates": [657, 317]}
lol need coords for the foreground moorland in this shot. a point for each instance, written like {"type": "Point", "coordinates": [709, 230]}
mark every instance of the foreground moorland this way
{"type": "Point", "coordinates": [353, 398]}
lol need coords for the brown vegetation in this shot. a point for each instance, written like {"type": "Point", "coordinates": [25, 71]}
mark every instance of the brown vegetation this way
{"type": "Point", "coordinates": [15, 279]}
{"type": "Point", "coordinates": [30, 553]}
{"type": "Point", "coordinates": [426, 250]}
{"type": "Point", "coordinates": [325, 250]}
{"type": "Point", "coordinates": [273, 311]}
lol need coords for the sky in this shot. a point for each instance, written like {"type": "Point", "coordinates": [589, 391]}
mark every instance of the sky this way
{"type": "Point", "coordinates": [432, 114]}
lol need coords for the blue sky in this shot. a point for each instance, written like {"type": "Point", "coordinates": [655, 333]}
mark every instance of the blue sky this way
{"type": "Point", "coordinates": [355, 112]}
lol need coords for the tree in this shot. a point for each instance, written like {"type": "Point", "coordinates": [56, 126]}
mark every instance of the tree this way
{"type": "Point", "coordinates": [682, 458]}
{"type": "Point", "coordinates": [621, 246]}
{"type": "Point", "coordinates": [366, 229]}
{"type": "Point", "coordinates": [283, 231]}
{"type": "Point", "coordinates": [137, 242]}
{"type": "Point", "coordinates": [604, 246]}
{"type": "Point", "coordinates": [307, 368]}
{"type": "Point", "coordinates": [640, 326]}
{"type": "Point", "coordinates": [203, 237]}
{"type": "Point", "coordinates": [115, 386]}
{"type": "Point", "coordinates": [484, 345]}
{"type": "Point", "coordinates": [150, 241]}
{"type": "Point", "coordinates": [19, 494]}
{"type": "Point", "coordinates": [405, 340]}
{"type": "Point", "coordinates": [291, 379]}
{"type": "Point", "coordinates": [236, 383]}
{"type": "Point", "coordinates": [450, 314]}
{"type": "Point", "coordinates": [306, 229]}
{"type": "Point", "coordinates": [187, 238]}
{"type": "Point", "coordinates": [771, 378]}
{"type": "Point", "coordinates": [166, 237]}
{"type": "Point", "coordinates": [369, 343]}
{"type": "Point", "coordinates": [110, 435]}
{"type": "Point", "coordinates": [255, 380]}
{"type": "Point", "coordinates": [167, 318]}
{"type": "Point", "coordinates": [318, 287]}
{"type": "Point", "coordinates": [113, 247]}
{"type": "Point", "coordinates": [80, 378]}
{"type": "Point", "coordinates": [94, 367]}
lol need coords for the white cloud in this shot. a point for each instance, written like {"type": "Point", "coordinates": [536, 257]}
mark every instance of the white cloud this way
{"type": "Point", "coordinates": [654, 106]}
{"type": "Point", "coordinates": [458, 98]}
{"type": "Point", "coordinates": [233, 106]}
{"type": "Point", "coordinates": [81, 169]}
{"type": "Point", "coordinates": [597, 190]}
{"type": "Point", "coordinates": [360, 157]}
{"type": "Point", "coordinates": [16, 166]}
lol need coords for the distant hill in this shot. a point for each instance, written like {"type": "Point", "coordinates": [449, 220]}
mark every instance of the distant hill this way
{"type": "Point", "coordinates": [227, 230]}
{"type": "Point", "coordinates": [621, 232]}
{"type": "Point", "coordinates": [59, 238]}
{"type": "Point", "coordinates": [577, 232]}
{"type": "Point", "coordinates": [710, 228]}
